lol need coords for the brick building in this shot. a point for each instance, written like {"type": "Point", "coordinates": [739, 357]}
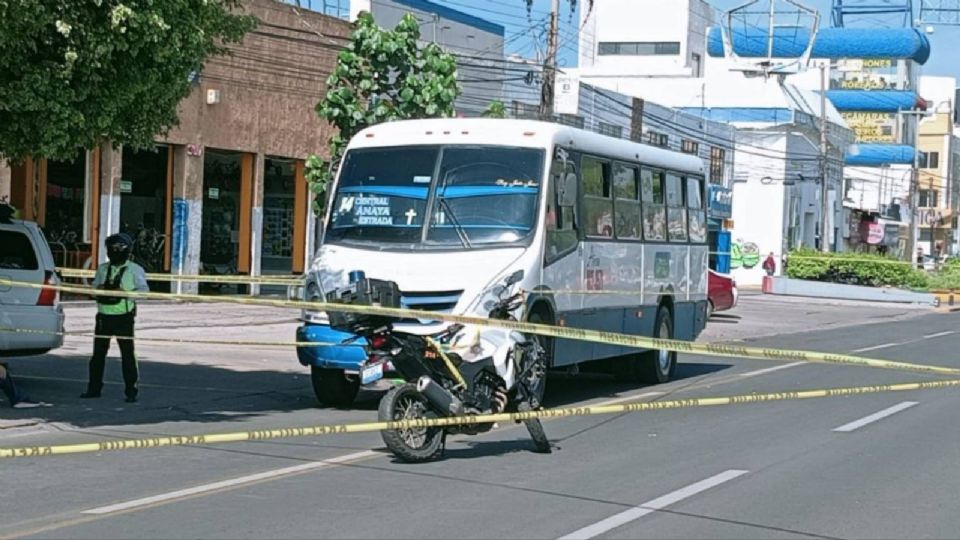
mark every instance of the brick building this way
{"type": "Point", "coordinates": [224, 192]}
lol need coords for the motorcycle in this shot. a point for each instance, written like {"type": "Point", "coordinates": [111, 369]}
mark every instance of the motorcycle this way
{"type": "Point", "coordinates": [463, 370]}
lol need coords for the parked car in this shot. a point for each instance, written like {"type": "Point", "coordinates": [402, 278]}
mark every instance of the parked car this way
{"type": "Point", "coordinates": [721, 292]}
{"type": "Point", "coordinates": [25, 256]}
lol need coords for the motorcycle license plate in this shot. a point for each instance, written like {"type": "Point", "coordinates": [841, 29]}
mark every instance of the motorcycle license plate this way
{"type": "Point", "coordinates": [371, 373]}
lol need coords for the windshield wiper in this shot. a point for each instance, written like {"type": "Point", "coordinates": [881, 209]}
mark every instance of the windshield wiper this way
{"type": "Point", "coordinates": [461, 233]}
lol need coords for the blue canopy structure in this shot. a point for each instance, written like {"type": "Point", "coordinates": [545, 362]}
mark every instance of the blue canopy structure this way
{"type": "Point", "coordinates": [790, 42]}
{"type": "Point", "coordinates": [878, 155]}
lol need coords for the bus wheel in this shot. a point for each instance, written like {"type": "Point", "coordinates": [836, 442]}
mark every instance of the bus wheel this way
{"type": "Point", "coordinates": [657, 366]}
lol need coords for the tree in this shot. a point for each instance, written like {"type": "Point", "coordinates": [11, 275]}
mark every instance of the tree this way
{"type": "Point", "coordinates": [76, 74]}
{"type": "Point", "coordinates": [495, 109]}
{"type": "Point", "coordinates": [382, 75]}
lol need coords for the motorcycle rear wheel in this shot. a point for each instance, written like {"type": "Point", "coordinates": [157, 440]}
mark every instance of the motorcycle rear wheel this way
{"type": "Point", "coordinates": [414, 445]}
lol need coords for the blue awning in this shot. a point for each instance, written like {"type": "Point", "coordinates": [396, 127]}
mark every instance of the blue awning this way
{"type": "Point", "coordinates": [873, 100]}
{"type": "Point", "coordinates": [790, 42]}
{"type": "Point", "coordinates": [878, 155]}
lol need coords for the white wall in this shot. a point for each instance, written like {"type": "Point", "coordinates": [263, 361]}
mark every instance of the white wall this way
{"type": "Point", "coordinates": [758, 201]}
{"type": "Point", "coordinates": [682, 21]}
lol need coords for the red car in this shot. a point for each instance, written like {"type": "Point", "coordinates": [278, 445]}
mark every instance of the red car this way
{"type": "Point", "coordinates": [721, 292]}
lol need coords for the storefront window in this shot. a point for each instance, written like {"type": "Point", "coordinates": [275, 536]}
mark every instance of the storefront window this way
{"type": "Point", "coordinates": [66, 199]}
{"type": "Point", "coordinates": [278, 216]}
{"type": "Point", "coordinates": [220, 237]}
{"type": "Point", "coordinates": [143, 205]}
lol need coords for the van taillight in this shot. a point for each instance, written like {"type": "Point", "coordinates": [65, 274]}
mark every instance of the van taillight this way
{"type": "Point", "coordinates": [48, 297]}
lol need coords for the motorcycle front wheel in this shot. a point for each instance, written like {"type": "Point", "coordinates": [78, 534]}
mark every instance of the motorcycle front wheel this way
{"type": "Point", "coordinates": [413, 445]}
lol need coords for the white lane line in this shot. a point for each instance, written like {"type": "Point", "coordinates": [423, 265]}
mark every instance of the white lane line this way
{"type": "Point", "coordinates": [659, 503]}
{"type": "Point", "coordinates": [164, 497]}
{"type": "Point", "coordinates": [876, 347]}
{"type": "Point", "coordinates": [939, 334]}
{"type": "Point", "coordinates": [629, 398]}
{"type": "Point", "coordinates": [857, 424]}
{"type": "Point", "coordinates": [770, 369]}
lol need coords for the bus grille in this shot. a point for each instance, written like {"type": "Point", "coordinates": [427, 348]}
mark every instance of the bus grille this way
{"type": "Point", "coordinates": [441, 301]}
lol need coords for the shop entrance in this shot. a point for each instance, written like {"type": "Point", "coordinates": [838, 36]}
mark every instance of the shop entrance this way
{"type": "Point", "coordinates": [278, 217]}
{"type": "Point", "coordinates": [144, 205]}
{"type": "Point", "coordinates": [227, 201]}
{"type": "Point", "coordinates": [67, 211]}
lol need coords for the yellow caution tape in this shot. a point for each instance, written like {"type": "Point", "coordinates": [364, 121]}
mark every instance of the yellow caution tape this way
{"type": "Point", "coordinates": [843, 259]}
{"type": "Point", "coordinates": [206, 278]}
{"type": "Point", "coordinates": [362, 427]}
{"type": "Point", "coordinates": [580, 334]}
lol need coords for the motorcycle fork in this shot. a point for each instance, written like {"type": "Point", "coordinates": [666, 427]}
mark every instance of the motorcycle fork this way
{"type": "Point", "coordinates": [454, 372]}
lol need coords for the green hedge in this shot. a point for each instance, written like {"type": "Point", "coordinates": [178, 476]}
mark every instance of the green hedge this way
{"type": "Point", "coordinates": [856, 268]}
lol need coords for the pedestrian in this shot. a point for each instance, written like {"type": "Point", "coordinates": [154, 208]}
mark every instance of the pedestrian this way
{"type": "Point", "coordinates": [116, 315]}
{"type": "Point", "coordinates": [16, 397]}
{"type": "Point", "coordinates": [770, 264]}
{"type": "Point", "coordinates": [919, 257]}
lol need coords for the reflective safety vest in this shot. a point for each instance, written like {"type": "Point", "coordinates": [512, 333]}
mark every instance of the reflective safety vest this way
{"type": "Point", "coordinates": [128, 276]}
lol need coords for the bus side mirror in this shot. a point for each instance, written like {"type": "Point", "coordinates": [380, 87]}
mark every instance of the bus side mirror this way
{"type": "Point", "coordinates": [567, 190]}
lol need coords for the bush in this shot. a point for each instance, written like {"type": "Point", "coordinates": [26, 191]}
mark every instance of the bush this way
{"type": "Point", "coordinates": [855, 269]}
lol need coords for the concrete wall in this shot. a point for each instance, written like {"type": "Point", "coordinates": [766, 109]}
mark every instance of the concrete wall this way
{"type": "Point", "coordinates": [4, 181]}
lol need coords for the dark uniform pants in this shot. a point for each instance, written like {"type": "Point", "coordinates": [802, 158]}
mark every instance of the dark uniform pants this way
{"type": "Point", "coordinates": [120, 326]}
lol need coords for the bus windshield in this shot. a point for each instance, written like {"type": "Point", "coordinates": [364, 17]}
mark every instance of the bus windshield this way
{"type": "Point", "coordinates": [423, 197]}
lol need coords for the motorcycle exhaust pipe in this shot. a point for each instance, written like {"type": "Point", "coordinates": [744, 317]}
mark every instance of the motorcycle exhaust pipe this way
{"type": "Point", "coordinates": [439, 397]}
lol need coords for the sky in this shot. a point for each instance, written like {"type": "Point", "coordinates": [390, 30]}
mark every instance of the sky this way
{"type": "Point", "coordinates": [524, 35]}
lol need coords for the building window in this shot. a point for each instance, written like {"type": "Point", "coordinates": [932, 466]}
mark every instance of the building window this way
{"type": "Point", "coordinates": [689, 147]}
{"type": "Point", "coordinates": [611, 130]}
{"type": "Point", "coordinates": [929, 198]}
{"type": "Point", "coordinates": [696, 64]}
{"type": "Point", "coordinates": [658, 139]}
{"type": "Point", "coordinates": [717, 158]}
{"type": "Point", "coordinates": [648, 48]}
{"type": "Point", "coordinates": [571, 120]}
{"type": "Point", "coordinates": [929, 160]}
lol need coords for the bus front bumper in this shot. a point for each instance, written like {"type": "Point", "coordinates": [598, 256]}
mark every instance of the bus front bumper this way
{"type": "Point", "coordinates": [329, 352]}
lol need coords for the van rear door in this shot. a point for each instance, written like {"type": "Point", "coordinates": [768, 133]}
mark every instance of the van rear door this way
{"type": "Point", "coordinates": [19, 261]}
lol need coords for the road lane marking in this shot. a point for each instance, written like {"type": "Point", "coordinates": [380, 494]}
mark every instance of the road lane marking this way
{"type": "Point", "coordinates": [876, 347]}
{"type": "Point", "coordinates": [659, 503]}
{"type": "Point", "coordinates": [233, 482]}
{"type": "Point", "coordinates": [857, 424]}
{"type": "Point", "coordinates": [770, 369]}
{"type": "Point", "coordinates": [939, 334]}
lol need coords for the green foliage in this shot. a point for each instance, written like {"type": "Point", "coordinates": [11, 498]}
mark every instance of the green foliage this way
{"type": "Point", "coordinates": [496, 109]}
{"type": "Point", "coordinates": [75, 74]}
{"type": "Point", "coordinates": [382, 75]}
{"type": "Point", "coordinates": [854, 268]}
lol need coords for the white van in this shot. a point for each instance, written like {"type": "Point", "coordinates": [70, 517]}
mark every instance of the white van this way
{"type": "Point", "coordinates": [25, 256]}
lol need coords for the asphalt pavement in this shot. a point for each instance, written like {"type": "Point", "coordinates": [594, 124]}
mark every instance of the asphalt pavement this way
{"type": "Point", "coordinates": [873, 466]}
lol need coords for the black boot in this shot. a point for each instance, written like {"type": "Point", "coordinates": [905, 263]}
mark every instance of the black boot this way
{"type": "Point", "coordinates": [90, 394]}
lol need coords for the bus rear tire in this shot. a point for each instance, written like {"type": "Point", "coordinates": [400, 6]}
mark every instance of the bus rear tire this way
{"type": "Point", "coordinates": [653, 366]}
{"type": "Point", "coordinates": [332, 387]}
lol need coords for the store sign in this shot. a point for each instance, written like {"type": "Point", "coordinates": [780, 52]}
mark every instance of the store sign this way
{"type": "Point", "coordinates": [871, 127]}
{"type": "Point", "coordinates": [872, 233]}
{"type": "Point", "coordinates": [566, 94]}
{"type": "Point", "coordinates": [720, 201]}
{"type": "Point", "coordinates": [866, 74]}
{"type": "Point", "coordinates": [213, 193]}
{"type": "Point", "coordinates": [891, 234]}
{"type": "Point", "coordinates": [126, 186]}
{"type": "Point", "coordinates": [929, 217]}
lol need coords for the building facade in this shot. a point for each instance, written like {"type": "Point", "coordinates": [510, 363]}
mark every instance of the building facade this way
{"type": "Point", "coordinates": [222, 193]}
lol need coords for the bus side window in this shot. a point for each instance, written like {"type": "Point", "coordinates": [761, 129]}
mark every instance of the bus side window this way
{"type": "Point", "coordinates": [561, 222]}
{"type": "Point", "coordinates": [654, 212]}
{"type": "Point", "coordinates": [598, 204]}
{"type": "Point", "coordinates": [676, 209]}
{"type": "Point", "coordinates": [695, 212]}
{"type": "Point", "coordinates": [626, 191]}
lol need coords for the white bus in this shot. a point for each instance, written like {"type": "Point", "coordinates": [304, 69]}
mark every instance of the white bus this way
{"type": "Point", "coordinates": [611, 235]}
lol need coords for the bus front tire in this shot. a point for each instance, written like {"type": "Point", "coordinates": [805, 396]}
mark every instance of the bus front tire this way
{"type": "Point", "coordinates": [653, 366]}
{"type": "Point", "coordinates": [332, 387]}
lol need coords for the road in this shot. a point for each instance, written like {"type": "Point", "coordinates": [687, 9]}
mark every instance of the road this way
{"type": "Point", "coordinates": [860, 467]}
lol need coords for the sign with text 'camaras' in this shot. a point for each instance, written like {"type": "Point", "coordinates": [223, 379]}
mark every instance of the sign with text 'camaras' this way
{"type": "Point", "coordinates": [871, 126]}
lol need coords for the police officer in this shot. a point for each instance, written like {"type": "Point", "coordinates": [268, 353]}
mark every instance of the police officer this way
{"type": "Point", "coordinates": [115, 315]}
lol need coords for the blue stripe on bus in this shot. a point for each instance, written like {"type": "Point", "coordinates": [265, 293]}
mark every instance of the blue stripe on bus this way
{"type": "Point", "coordinates": [450, 192]}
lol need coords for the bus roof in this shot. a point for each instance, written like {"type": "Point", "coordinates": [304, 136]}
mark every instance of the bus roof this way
{"type": "Point", "coordinates": [520, 133]}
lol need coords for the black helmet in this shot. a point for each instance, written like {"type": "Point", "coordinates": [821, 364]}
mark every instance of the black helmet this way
{"type": "Point", "coordinates": [118, 247]}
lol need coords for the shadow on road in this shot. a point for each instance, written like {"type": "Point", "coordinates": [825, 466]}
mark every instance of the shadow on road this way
{"type": "Point", "coordinates": [202, 393]}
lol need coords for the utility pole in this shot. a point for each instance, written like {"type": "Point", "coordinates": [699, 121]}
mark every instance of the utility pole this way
{"type": "Point", "coordinates": [550, 65]}
{"type": "Point", "coordinates": [914, 194]}
{"type": "Point", "coordinates": [824, 183]}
